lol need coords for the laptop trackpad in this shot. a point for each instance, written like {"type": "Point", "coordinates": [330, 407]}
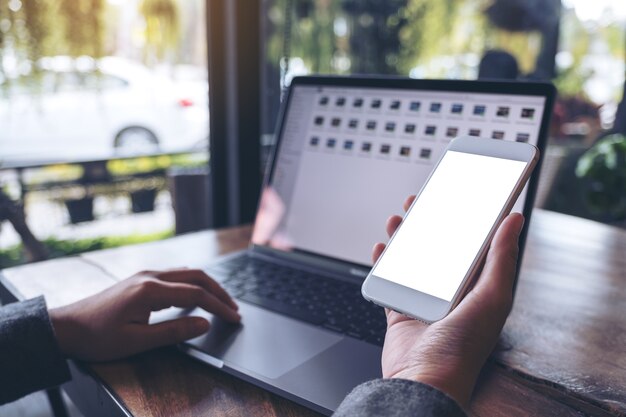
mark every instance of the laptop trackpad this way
{"type": "Point", "coordinates": [264, 343]}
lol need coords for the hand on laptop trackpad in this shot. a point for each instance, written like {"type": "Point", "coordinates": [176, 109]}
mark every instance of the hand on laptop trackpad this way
{"type": "Point", "coordinates": [264, 343]}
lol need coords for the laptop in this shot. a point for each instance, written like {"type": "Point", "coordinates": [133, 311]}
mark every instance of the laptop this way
{"type": "Point", "coordinates": [349, 151]}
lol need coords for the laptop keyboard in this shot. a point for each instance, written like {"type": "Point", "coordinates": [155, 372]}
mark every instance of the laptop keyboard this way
{"type": "Point", "coordinates": [321, 301]}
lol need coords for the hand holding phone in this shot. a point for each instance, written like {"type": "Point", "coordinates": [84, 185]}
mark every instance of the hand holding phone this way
{"type": "Point", "coordinates": [433, 258]}
{"type": "Point", "coordinates": [450, 353]}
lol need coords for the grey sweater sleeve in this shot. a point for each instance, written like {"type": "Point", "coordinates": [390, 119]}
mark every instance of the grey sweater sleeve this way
{"type": "Point", "coordinates": [398, 398]}
{"type": "Point", "coordinates": [30, 358]}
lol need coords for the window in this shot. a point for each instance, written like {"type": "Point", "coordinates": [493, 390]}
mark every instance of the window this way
{"type": "Point", "coordinates": [578, 45]}
{"type": "Point", "coordinates": [101, 103]}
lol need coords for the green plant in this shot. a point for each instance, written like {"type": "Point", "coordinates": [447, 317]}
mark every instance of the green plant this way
{"type": "Point", "coordinates": [14, 255]}
{"type": "Point", "coordinates": [31, 30]}
{"type": "Point", "coordinates": [604, 167]}
{"type": "Point", "coordinates": [83, 27]}
{"type": "Point", "coordinates": [163, 28]}
{"type": "Point", "coordinates": [148, 164]}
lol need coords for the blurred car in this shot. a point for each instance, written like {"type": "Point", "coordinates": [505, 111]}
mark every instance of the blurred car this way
{"type": "Point", "coordinates": [82, 107]}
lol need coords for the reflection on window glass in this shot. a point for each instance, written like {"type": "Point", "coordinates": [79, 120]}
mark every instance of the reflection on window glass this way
{"type": "Point", "coordinates": [83, 72]}
{"type": "Point", "coordinates": [581, 51]}
{"type": "Point", "coordinates": [103, 108]}
{"type": "Point", "coordinates": [579, 45]}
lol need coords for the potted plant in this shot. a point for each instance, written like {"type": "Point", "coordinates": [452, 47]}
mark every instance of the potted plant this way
{"type": "Point", "coordinates": [80, 209]}
{"type": "Point", "coordinates": [603, 167]}
{"type": "Point", "coordinates": [143, 200]}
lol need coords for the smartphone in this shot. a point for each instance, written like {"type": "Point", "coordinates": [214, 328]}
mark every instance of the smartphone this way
{"type": "Point", "coordinates": [436, 253]}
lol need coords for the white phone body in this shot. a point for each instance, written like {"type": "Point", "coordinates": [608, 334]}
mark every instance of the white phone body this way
{"type": "Point", "coordinates": [435, 254]}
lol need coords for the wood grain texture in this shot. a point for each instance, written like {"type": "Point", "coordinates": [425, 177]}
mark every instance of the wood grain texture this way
{"type": "Point", "coordinates": [498, 394]}
{"type": "Point", "coordinates": [166, 383]}
{"type": "Point", "coordinates": [62, 281]}
{"type": "Point", "coordinates": [567, 330]}
{"type": "Point", "coordinates": [562, 353]}
{"type": "Point", "coordinates": [194, 250]}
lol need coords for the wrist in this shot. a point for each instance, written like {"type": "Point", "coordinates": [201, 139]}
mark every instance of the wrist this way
{"type": "Point", "coordinates": [457, 384]}
{"type": "Point", "coordinates": [63, 325]}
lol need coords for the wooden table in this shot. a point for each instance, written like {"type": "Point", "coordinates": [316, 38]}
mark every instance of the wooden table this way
{"type": "Point", "coordinates": [562, 353]}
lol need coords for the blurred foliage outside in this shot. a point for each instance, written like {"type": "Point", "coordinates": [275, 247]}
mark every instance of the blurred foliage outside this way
{"type": "Point", "coordinates": [604, 167]}
{"type": "Point", "coordinates": [116, 167]}
{"type": "Point", "coordinates": [33, 30]}
{"type": "Point", "coordinates": [15, 255]}
{"type": "Point", "coordinates": [166, 36]}
{"type": "Point", "coordinates": [153, 163]}
{"type": "Point", "coordinates": [447, 38]}
{"type": "Point", "coordinates": [579, 45]}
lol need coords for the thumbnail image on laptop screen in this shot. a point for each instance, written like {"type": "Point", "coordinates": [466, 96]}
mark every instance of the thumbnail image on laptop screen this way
{"type": "Point", "coordinates": [348, 157]}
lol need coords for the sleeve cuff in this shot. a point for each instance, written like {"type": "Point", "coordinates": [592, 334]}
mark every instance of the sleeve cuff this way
{"type": "Point", "coordinates": [398, 397]}
{"type": "Point", "coordinates": [30, 358]}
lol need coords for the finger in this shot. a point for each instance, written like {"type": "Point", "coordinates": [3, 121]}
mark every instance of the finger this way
{"type": "Point", "coordinates": [167, 294]}
{"type": "Point", "coordinates": [377, 251]}
{"type": "Point", "coordinates": [199, 278]}
{"type": "Point", "coordinates": [390, 317]}
{"type": "Point", "coordinates": [392, 224]}
{"type": "Point", "coordinates": [408, 202]}
{"type": "Point", "coordinates": [498, 274]}
{"type": "Point", "coordinates": [169, 332]}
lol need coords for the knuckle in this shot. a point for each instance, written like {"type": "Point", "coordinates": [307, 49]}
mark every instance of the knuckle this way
{"type": "Point", "coordinates": [213, 285]}
{"type": "Point", "coordinates": [199, 295]}
{"type": "Point", "coordinates": [196, 294]}
{"type": "Point", "coordinates": [201, 280]}
{"type": "Point", "coordinates": [147, 285]}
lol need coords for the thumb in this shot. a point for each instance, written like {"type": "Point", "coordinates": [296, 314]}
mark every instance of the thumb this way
{"type": "Point", "coordinates": [501, 260]}
{"type": "Point", "coordinates": [491, 299]}
{"type": "Point", "coordinates": [498, 275]}
{"type": "Point", "coordinates": [171, 332]}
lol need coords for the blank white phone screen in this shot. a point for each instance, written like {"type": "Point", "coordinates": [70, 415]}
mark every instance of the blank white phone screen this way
{"type": "Point", "coordinates": [442, 234]}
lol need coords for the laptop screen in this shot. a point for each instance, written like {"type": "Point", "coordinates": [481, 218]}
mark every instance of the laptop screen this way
{"type": "Point", "coordinates": [348, 157]}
